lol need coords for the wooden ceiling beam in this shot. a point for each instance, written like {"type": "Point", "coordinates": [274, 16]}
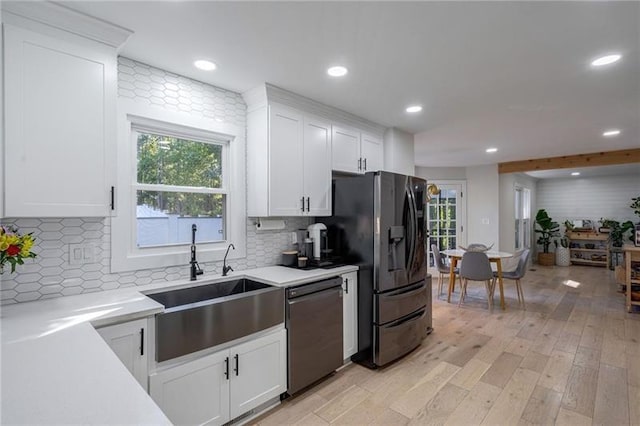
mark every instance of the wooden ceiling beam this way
{"type": "Point", "coordinates": [608, 158]}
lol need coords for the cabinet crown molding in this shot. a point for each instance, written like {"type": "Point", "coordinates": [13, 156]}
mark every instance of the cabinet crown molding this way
{"type": "Point", "coordinates": [61, 17]}
{"type": "Point", "coordinates": [265, 94]}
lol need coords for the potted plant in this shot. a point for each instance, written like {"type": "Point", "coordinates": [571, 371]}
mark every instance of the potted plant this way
{"type": "Point", "coordinates": [548, 229]}
{"type": "Point", "coordinates": [617, 230]}
{"type": "Point", "coordinates": [563, 257]}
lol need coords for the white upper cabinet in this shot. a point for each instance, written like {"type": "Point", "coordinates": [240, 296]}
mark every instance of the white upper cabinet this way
{"type": "Point", "coordinates": [355, 151]}
{"type": "Point", "coordinates": [59, 111]}
{"type": "Point", "coordinates": [317, 167]}
{"type": "Point", "coordinates": [371, 149]}
{"type": "Point", "coordinates": [285, 162]}
{"type": "Point", "coordinates": [294, 144]}
{"type": "Point", "coordinates": [346, 150]}
{"type": "Point", "coordinates": [293, 150]}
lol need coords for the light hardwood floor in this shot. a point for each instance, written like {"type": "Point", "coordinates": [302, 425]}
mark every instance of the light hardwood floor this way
{"type": "Point", "coordinates": [571, 358]}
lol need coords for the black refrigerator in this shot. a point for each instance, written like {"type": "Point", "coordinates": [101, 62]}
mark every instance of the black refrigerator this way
{"type": "Point", "coordinates": [379, 224]}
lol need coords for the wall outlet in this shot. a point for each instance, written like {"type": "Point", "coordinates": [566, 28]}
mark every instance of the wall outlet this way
{"type": "Point", "coordinates": [293, 237]}
{"type": "Point", "coordinates": [485, 220]}
{"type": "Point", "coordinates": [79, 254]}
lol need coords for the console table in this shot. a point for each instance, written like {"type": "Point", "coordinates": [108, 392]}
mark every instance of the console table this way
{"type": "Point", "coordinates": [581, 255]}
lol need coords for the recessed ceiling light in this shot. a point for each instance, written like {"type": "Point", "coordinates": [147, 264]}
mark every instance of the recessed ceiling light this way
{"type": "Point", "coordinates": [606, 60]}
{"type": "Point", "coordinates": [414, 108]}
{"type": "Point", "coordinates": [575, 173]}
{"type": "Point", "coordinates": [205, 65]}
{"type": "Point", "coordinates": [491, 150]}
{"type": "Point", "coordinates": [337, 71]}
{"type": "Point", "coordinates": [611, 133]}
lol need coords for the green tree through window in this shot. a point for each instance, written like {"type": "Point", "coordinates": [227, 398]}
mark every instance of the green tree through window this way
{"type": "Point", "coordinates": [179, 182]}
{"type": "Point", "coordinates": [171, 161]}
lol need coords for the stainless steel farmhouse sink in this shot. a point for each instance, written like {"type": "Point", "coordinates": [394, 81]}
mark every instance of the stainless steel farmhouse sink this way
{"type": "Point", "coordinates": [203, 316]}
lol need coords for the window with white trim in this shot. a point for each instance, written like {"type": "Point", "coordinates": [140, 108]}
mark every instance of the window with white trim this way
{"type": "Point", "coordinates": [176, 170]}
{"type": "Point", "coordinates": [179, 182]}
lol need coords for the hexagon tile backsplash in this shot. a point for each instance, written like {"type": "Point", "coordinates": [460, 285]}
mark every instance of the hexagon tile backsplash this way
{"type": "Point", "coordinates": [51, 275]}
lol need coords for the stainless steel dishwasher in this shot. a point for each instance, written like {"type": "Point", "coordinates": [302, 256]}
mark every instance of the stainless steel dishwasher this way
{"type": "Point", "coordinates": [314, 326]}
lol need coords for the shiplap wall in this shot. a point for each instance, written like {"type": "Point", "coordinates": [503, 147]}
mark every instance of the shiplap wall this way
{"type": "Point", "coordinates": [589, 198]}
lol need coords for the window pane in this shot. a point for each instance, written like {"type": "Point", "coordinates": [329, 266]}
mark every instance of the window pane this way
{"type": "Point", "coordinates": [166, 217]}
{"type": "Point", "coordinates": [171, 161]}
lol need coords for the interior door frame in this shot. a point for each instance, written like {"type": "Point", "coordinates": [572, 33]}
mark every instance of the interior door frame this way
{"type": "Point", "coordinates": [461, 220]}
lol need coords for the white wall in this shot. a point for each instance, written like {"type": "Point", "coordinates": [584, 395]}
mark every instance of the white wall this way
{"type": "Point", "coordinates": [589, 198]}
{"type": "Point", "coordinates": [441, 173]}
{"type": "Point", "coordinates": [483, 203]}
{"type": "Point", "coordinates": [482, 199]}
{"type": "Point", "coordinates": [508, 182]}
{"type": "Point", "coordinates": [399, 154]}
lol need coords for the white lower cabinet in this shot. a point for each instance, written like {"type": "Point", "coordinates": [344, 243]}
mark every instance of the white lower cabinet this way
{"type": "Point", "coordinates": [129, 342]}
{"type": "Point", "coordinates": [224, 385]}
{"type": "Point", "coordinates": [350, 314]}
{"type": "Point", "coordinates": [196, 392]}
{"type": "Point", "coordinates": [258, 372]}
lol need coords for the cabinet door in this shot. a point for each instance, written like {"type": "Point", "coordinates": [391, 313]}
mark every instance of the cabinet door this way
{"type": "Point", "coordinates": [60, 119]}
{"type": "Point", "coordinates": [371, 150]}
{"type": "Point", "coordinates": [350, 313]}
{"type": "Point", "coordinates": [129, 342]}
{"type": "Point", "coordinates": [258, 372]}
{"type": "Point", "coordinates": [345, 147]}
{"type": "Point", "coordinates": [194, 393]}
{"type": "Point", "coordinates": [285, 162]}
{"type": "Point", "coordinates": [317, 167]}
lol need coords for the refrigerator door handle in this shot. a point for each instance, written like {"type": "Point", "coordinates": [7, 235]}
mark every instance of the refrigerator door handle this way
{"type": "Point", "coordinates": [411, 226]}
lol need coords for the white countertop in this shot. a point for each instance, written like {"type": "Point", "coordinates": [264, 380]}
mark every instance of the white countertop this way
{"type": "Point", "coordinates": [281, 276]}
{"type": "Point", "coordinates": [56, 369]}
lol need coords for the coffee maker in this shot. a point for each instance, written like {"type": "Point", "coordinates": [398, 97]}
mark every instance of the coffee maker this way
{"type": "Point", "coordinates": [318, 234]}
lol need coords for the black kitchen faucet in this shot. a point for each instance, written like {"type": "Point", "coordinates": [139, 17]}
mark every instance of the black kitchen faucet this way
{"type": "Point", "coordinates": [225, 268]}
{"type": "Point", "coordinates": [195, 268]}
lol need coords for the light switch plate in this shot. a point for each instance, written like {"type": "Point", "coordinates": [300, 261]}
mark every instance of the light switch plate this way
{"type": "Point", "coordinates": [80, 254]}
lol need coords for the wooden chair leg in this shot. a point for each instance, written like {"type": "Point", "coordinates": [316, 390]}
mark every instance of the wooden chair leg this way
{"type": "Point", "coordinates": [519, 286]}
{"type": "Point", "coordinates": [487, 285]}
{"type": "Point", "coordinates": [463, 291]}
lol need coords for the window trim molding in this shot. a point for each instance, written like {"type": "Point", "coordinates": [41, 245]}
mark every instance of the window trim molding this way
{"type": "Point", "coordinates": [132, 117]}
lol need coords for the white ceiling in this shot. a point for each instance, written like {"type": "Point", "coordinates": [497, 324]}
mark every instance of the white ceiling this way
{"type": "Point", "coordinates": [513, 75]}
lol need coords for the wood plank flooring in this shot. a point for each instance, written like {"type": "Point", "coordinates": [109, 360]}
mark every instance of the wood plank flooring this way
{"type": "Point", "coordinates": [571, 358]}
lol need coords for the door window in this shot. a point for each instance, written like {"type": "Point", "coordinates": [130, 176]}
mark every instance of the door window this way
{"type": "Point", "coordinates": [446, 217]}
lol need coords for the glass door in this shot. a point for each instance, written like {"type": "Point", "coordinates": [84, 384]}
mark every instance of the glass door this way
{"type": "Point", "coordinates": [446, 217]}
{"type": "Point", "coordinates": [523, 218]}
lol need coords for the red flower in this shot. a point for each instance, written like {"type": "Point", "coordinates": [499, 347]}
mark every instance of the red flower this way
{"type": "Point", "coordinates": [13, 250]}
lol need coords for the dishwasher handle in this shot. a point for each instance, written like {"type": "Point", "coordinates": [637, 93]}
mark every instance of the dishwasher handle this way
{"type": "Point", "coordinates": [305, 289]}
{"type": "Point", "coordinates": [302, 299]}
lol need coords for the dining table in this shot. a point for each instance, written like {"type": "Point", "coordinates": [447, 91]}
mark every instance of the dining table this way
{"type": "Point", "coordinates": [494, 256]}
